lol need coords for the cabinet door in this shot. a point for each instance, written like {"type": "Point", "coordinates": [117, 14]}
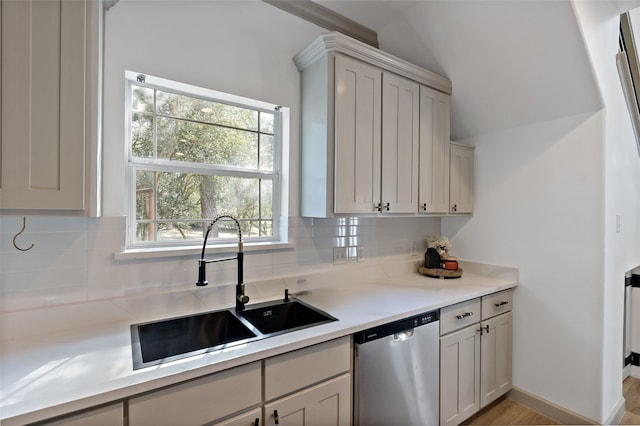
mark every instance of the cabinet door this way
{"type": "Point", "coordinates": [200, 401]}
{"type": "Point", "coordinates": [459, 375]}
{"type": "Point", "coordinates": [400, 145]}
{"type": "Point", "coordinates": [43, 104]}
{"type": "Point", "coordinates": [358, 89]}
{"type": "Point", "coordinates": [435, 112]}
{"type": "Point", "coordinates": [461, 179]}
{"type": "Point", "coordinates": [252, 418]}
{"type": "Point", "coordinates": [496, 352]}
{"type": "Point", "coordinates": [110, 415]}
{"type": "Point", "coordinates": [328, 403]}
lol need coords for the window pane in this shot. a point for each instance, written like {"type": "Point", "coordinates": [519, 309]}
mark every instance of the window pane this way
{"type": "Point", "coordinates": [145, 195]}
{"type": "Point", "coordinates": [180, 202]}
{"type": "Point", "coordinates": [266, 152]}
{"type": "Point", "coordinates": [142, 135]}
{"type": "Point", "coordinates": [141, 99]}
{"type": "Point", "coordinates": [266, 122]}
{"type": "Point", "coordinates": [266, 228]}
{"type": "Point", "coordinates": [178, 196]}
{"type": "Point", "coordinates": [145, 231]}
{"type": "Point", "coordinates": [190, 108]}
{"type": "Point", "coordinates": [181, 140]}
{"type": "Point", "coordinates": [266, 197]}
{"type": "Point", "coordinates": [180, 230]}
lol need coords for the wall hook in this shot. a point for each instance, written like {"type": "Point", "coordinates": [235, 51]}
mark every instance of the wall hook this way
{"type": "Point", "coordinates": [24, 225]}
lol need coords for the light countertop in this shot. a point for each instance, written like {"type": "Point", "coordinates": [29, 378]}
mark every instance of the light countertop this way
{"type": "Point", "coordinates": [59, 360]}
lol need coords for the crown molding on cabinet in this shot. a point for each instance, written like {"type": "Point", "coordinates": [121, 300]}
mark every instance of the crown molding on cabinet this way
{"type": "Point", "coordinates": [326, 18]}
{"type": "Point", "coordinates": [340, 43]}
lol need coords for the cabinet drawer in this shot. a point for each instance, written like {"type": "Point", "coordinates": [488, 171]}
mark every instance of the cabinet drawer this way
{"type": "Point", "coordinates": [497, 303]}
{"type": "Point", "coordinates": [199, 401]}
{"type": "Point", "coordinates": [459, 315]}
{"type": "Point", "coordinates": [298, 369]}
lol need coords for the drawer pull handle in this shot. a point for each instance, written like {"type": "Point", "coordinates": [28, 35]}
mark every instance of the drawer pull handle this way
{"type": "Point", "coordinates": [465, 315]}
{"type": "Point", "coordinates": [497, 305]}
{"type": "Point", "coordinates": [276, 419]}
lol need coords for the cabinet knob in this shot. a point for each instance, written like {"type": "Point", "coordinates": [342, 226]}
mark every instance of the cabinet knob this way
{"type": "Point", "coordinates": [424, 207]}
{"type": "Point", "coordinates": [387, 207]}
{"type": "Point", "coordinates": [454, 208]}
{"type": "Point", "coordinates": [276, 419]}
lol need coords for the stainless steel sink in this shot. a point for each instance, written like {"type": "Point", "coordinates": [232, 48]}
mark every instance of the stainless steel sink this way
{"type": "Point", "coordinates": [177, 338]}
{"type": "Point", "coordinates": [276, 317]}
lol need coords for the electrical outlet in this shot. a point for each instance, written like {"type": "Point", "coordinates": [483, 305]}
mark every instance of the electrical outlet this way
{"type": "Point", "coordinates": [339, 255]}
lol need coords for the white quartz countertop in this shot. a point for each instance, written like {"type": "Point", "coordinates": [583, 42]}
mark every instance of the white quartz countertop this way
{"type": "Point", "coordinates": [58, 360]}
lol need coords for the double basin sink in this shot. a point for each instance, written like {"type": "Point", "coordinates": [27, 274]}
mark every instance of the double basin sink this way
{"type": "Point", "coordinates": [176, 338]}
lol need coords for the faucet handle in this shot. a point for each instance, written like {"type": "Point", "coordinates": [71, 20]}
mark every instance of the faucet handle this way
{"type": "Point", "coordinates": [286, 295]}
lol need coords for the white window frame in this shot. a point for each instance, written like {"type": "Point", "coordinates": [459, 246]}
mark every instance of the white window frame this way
{"type": "Point", "coordinates": [279, 174]}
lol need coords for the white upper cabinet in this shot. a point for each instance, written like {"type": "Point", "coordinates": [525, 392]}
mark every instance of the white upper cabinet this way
{"type": "Point", "coordinates": [358, 89]}
{"type": "Point", "coordinates": [400, 131]}
{"type": "Point", "coordinates": [434, 151]}
{"type": "Point", "coordinates": [360, 150]}
{"type": "Point", "coordinates": [49, 102]}
{"type": "Point", "coordinates": [461, 179]}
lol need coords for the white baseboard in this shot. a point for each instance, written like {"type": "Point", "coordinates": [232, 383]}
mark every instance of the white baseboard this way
{"type": "Point", "coordinates": [617, 414]}
{"type": "Point", "coordinates": [551, 410]}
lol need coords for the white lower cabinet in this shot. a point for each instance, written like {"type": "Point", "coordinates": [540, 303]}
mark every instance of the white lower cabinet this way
{"type": "Point", "coordinates": [475, 355]}
{"type": "Point", "coordinates": [252, 418]}
{"type": "Point", "coordinates": [459, 375]}
{"type": "Point", "coordinates": [200, 401]}
{"type": "Point", "coordinates": [495, 358]}
{"type": "Point", "coordinates": [110, 415]}
{"type": "Point", "coordinates": [310, 386]}
{"type": "Point", "coordinates": [328, 403]}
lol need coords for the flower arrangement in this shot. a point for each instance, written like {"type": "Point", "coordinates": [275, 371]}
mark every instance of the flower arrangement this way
{"type": "Point", "coordinates": [441, 244]}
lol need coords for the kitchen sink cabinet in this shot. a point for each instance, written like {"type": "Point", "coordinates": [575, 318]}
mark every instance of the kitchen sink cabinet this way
{"type": "Point", "coordinates": [361, 128]}
{"type": "Point", "coordinates": [433, 186]}
{"type": "Point", "coordinates": [328, 403]}
{"type": "Point", "coordinates": [461, 179]}
{"type": "Point", "coordinates": [310, 386]}
{"type": "Point", "coordinates": [476, 359]}
{"type": "Point", "coordinates": [200, 401]}
{"type": "Point", "coordinates": [49, 97]}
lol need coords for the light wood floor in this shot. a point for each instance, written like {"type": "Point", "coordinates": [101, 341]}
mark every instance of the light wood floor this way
{"type": "Point", "coordinates": [508, 412]}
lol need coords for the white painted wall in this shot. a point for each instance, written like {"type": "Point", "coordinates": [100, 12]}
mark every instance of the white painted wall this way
{"type": "Point", "coordinates": [539, 198]}
{"type": "Point", "coordinates": [599, 23]}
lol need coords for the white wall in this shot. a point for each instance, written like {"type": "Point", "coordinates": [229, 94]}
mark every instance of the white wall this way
{"type": "Point", "coordinates": [240, 47]}
{"type": "Point", "coordinates": [539, 198]}
{"type": "Point", "coordinates": [600, 22]}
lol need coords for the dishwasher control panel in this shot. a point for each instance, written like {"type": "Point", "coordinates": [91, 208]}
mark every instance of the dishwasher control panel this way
{"type": "Point", "coordinates": [396, 327]}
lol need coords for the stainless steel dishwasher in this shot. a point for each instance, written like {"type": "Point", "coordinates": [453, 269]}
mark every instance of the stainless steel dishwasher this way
{"type": "Point", "coordinates": [396, 380]}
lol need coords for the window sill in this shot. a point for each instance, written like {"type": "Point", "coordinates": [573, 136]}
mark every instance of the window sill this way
{"type": "Point", "coordinates": [195, 251]}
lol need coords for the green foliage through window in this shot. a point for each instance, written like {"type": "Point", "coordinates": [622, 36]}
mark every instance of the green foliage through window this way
{"type": "Point", "coordinates": [194, 157]}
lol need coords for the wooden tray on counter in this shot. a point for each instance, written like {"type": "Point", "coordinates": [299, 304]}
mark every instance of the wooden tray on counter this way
{"type": "Point", "coordinates": [440, 273]}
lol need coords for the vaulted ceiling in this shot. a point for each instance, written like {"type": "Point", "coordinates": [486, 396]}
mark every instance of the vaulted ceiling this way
{"type": "Point", "coordinates": [512, 63]}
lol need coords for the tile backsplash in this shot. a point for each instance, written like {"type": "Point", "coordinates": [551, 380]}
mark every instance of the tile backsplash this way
{"type": "Point", "coordinates": [72, 259]}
